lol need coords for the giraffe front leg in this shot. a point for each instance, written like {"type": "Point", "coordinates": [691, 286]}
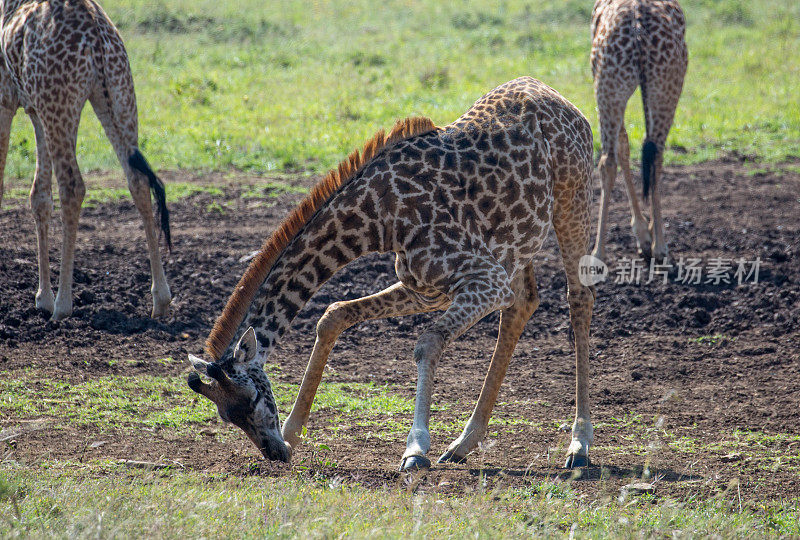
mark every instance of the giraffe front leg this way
{"type": "Point", "coordinates": [7, 112]}
{"type": "Point", "coordinates": [394, 301]}
{"type": "Point", "coordinates": [473, 300]}
{"type": "Point", "coordinates": [512, 323]}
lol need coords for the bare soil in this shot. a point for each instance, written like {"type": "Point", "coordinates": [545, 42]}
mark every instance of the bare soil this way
{"type": "Point", "coordinates": [652, 351]}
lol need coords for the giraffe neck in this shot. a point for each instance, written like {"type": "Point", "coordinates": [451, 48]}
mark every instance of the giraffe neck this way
{"type": "Point", "coordinates": [335, 236]}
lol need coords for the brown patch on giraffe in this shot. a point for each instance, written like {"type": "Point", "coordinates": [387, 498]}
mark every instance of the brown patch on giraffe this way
{"type": "Point", "coordinates": [238, 303]}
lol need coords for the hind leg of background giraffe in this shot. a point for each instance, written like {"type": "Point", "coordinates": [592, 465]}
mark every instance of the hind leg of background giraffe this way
{"type": "Point", "coordinates": [571, 223]}
{"type": "Point", "coordinates": [662, 111]}
{"type": "Point", "coordinates": [394, 301]}
{"type": "Point", "coordinates": [41, 200]}
{"type": "Point", "coordinates": [638, 221]}
{"type": "Point", "coordinates": [512, 323]}
{"type": "Point", "coordinates": [480, 289]}
{"type": "Point", "coordinates": [61, 133]}
{"type": "Point", "coordinates": [121, 127]}
{"type": "Point", "coordinates": [6, 116]}
{"type": "Point", "coordinates": [613, 91]}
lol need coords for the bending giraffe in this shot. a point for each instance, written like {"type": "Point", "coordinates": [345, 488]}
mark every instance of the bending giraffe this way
{"type": "Point", "coordinates": [464, 208]}
{"type": "Point", "coordinates": [636, 43]}
{"type": "Point", "coordinates": [56, 55]}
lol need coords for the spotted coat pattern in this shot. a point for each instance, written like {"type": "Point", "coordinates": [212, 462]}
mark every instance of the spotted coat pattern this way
{"type": "Point", "coordinates": [636, 43]}
{"type": "Point", "coordinates": [56, 55]}
{"type": "Point", "coordinates": [464, 208]}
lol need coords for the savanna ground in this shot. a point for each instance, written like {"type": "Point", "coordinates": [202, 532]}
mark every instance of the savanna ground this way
{"type": "Point", "coordinates": [694, 388]}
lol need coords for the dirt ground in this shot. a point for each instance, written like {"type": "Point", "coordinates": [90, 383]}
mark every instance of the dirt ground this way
{"type": "Point", "coordinates": [653, 353]}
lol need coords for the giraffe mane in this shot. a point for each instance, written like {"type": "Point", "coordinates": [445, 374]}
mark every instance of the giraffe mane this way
{"type": "Point", "coordinates": [239, 302]}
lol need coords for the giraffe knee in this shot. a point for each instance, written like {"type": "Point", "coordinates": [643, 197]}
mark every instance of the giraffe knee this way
{"type": "Point", "coordinates": [333, 322]}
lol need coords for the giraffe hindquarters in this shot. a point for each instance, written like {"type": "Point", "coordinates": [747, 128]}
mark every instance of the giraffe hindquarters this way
{"type": "Point", "coordinates": [116, 109]}
{"type": "Point", "coordinates": [512, 323]}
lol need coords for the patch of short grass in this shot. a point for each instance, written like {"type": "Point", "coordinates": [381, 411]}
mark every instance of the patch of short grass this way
{"type": "Point", "coordinates": [81, 501]}
{"type": "Point", "coordinates": [125, 402]}
{"type": "Point", "coordinates": [105, 402]}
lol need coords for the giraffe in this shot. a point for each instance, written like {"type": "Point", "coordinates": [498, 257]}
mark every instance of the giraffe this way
{"type": "Point", "coordinates": [636, 43]}
{"type": "Point", "coordinates": [57, 54]}
{"type": "Point", "coordinates": [464, 208]}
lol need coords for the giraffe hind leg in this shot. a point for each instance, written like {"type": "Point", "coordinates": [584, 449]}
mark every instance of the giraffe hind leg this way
{"type": "Point", "coordinates": [394, 301]}
{"type": "Point", "coordinates": [121, 127]}
{"type": "Point", "coordinates": [571, 224]}
{"type": "Point", "coordinates": [6, 116]}
{"type": "Point", "coordinates": [486, 290]}
{"type": "Point", "coordinates": [61, 138]}
{"type": "Point", "coordinates": [512, 323]}
{"type": "Point", "coordinates": [41, 201]}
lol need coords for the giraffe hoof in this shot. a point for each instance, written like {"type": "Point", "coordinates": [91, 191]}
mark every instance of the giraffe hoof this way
{"type": "Point", "coordinates": [160, 311]}
{"type": "Point", "coordinates": [61, 314]}
{"type": "Point", "coordinates": [46, 305]}
{"type": "Point", "coordinates": [451, 457]}
{"type": "Point", "coordinates": [576, 461]}
{"type": "Point", "coordinates": [414, 463]}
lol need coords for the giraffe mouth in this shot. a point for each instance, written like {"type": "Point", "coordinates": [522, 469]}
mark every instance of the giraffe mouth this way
{"type": "Point", "coordinates": [275, 450]}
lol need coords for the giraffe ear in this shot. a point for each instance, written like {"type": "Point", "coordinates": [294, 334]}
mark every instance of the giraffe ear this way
{"type": "Point", "coordinates": [247, 347]}
{"type": "Point", "coordinates": [199, 365]}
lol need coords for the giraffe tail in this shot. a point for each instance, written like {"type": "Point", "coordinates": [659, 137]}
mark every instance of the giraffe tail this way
{"type": "Point", "coordinates": [139, 163]}
{"type": "Point", "coordinates": [649, 152]}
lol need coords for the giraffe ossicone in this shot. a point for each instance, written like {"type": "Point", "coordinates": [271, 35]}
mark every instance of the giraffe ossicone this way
{"type": "Point", "coordinates": [465, 208]}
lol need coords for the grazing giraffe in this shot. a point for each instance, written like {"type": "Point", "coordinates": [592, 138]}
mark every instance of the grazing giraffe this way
{"type": "Point", "coordinates": [56, 55]}
{"type": "Point", "coordinates": [465, 208]}
{"type": "Point", "coordinates": [636, 43]}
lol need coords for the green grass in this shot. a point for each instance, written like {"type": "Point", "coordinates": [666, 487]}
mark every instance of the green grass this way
{"type": "Point", "coordinates": [102, 498]}
{"type": "Point", "coordinates": [146, 401]}
{"type": "Point", "coordinates": [263, 86]}
{"type": "Point", "coordinates": [98, 192]}
{"type": "Point", "coordinates": [106, 500]}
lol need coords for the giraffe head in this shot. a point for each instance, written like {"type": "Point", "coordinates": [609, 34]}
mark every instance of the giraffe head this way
{"type": "Point", "coordinates": [243, 395]}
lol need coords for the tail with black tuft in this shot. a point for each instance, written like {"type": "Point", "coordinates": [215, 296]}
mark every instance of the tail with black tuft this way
{"type": "Point", "coordinates": [139, 163]}
{"type": "Point", "coordinates": [649, 152]}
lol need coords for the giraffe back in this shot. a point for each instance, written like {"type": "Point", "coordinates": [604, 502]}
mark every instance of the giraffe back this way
{"type": "Point", "coordinates": [491, 176]}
